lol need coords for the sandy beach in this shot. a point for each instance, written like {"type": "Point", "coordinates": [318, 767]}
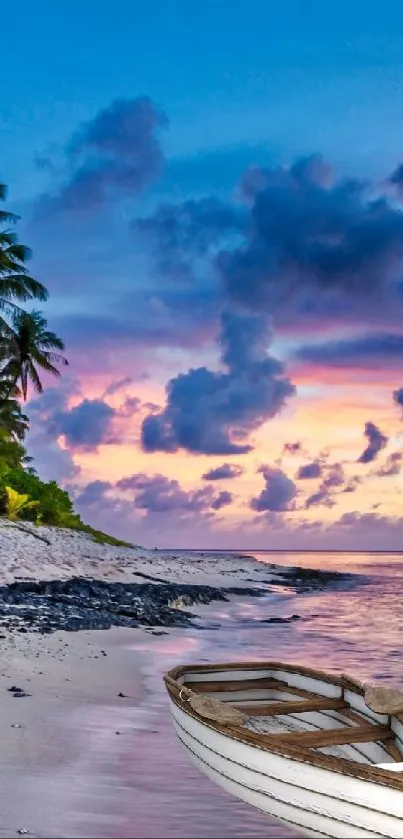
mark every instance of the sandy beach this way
{"type": "Point", "coordinates": [50, 553]}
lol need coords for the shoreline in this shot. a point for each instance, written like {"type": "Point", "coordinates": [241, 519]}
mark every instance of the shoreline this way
{"type": "Point", "coordinates": [52, 579]}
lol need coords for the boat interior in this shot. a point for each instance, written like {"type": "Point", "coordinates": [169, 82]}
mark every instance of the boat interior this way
{"type": "Point", "coordinates": [287, 705]}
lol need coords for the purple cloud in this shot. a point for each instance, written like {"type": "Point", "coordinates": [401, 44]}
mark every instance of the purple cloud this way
{"type": "Point", "coordinates": [396, 179]}
{"type": "Point", "coordinates": [86, 425]}
{"type": "Point", "coordinates": [223, 499]}
{"type": "Point", "coordinates": [398, 397]}
{"type": "Point", "coordinates": [159, 494]}
{"type": "Point", "coordinates": [180, 234]}
{"type": "Point", "coordinates": [321, 498]}
{"type": "Point", "coordinates": [376, 442]}
{"type": "Point", "coordinates": [52, 461]}
{"type": "Point", "coordinates": [335, 476]}
{"type": "Point", "coordinates": [227, 470]}
{"type": "Point", "coordinates": [131, 406]}
{"type": "Point", "coordinates": [392, 465]}
{"type": "Point", "coordinates": [93, 493]}
{"type": "Point", "coordinates": [368, 351]}
{"type": "Point", "coordinates": [117, 384]}
{"type": "Point", "coordinates": [352, 484]}
{"type": "Point", "coordinates": [292, 448]}
{"type": "Point", "coordinates": [310, 470]}
{"type": "Point", "coordinates": [279, 492]}
{"type": "Point", "coordinates": [334, 479]}
{"type": "Point", "coordinates": [113, 156]}
{"type": "Point", "coordinates": [215, 412]}
{"type": "Point", "coordinates": [300, 233]}
{"type": "Point", "coordinates": [308, 234]}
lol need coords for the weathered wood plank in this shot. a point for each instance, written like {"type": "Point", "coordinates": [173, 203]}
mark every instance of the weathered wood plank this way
{"type": "Point", "coordinates": [249, 684]}
{"type": "Point", "coordinates": [393, 750]}
{"type": "Point", "coordinates": [236, 686]}
{"type": "Point", "coordinates": [333, 736]}
{"type": "Point", "coordinates": [290, 707]}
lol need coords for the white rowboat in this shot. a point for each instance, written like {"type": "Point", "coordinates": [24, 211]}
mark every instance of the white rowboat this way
{"type": "Point", "coordinates": [321, 753]}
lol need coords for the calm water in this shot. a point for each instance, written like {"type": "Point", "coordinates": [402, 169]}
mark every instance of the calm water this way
{"type": "Point", "coordinates": [144, 787]}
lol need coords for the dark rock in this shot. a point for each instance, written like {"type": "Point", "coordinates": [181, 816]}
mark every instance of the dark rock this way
{"type": "Point", "coordinates": [79, 603]}
{"type": "Point", "coordinates": [281, 620]}
{"type": "Point", "coordinates": [313, 579]}
{"type": "Point", "coordinates": [122, 695]}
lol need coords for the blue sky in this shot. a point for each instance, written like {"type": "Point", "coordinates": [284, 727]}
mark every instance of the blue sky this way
{"type": "Point", "coordinates": [288, 76]}
{"type": "Point", "coordinates": [229, 85]}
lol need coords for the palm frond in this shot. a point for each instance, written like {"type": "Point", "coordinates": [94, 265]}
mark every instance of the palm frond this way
{"type": "Point", "coordinates": [34, 376]}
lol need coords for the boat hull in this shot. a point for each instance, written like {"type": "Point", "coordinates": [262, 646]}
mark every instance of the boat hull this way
{"type": "Point", "coordinates": [312, 801]}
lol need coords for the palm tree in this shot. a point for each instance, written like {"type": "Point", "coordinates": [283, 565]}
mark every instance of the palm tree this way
{"type": "Point", "coordinates": [13, 423]}
{"type": "Point", "coordinates": [15, 281]}
{"type": "Point", "coordinates": [27, 346]}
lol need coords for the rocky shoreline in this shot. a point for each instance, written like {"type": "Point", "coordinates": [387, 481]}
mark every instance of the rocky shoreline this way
{"type": "Point", "coordinates": [53, 579]}
{"type": "Point", "coordinates": [80, 603]}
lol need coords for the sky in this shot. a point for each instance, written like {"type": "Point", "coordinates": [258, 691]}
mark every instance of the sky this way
{"type": "Point", "coordinates": [213, 195]}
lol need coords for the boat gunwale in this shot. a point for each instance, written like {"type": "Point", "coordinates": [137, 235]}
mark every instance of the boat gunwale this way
{"type": "Point", "coordinates": [342, 766]}
{"type": "Point", "coordinates": [333, 678]}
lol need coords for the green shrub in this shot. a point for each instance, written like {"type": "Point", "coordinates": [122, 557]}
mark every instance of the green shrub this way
{"type": "Point", "coordinates": [12, 453]}
{"type": "Point", "coordinates": [17, 503]}
{"type": "Point", "coordinates": [52, 504]}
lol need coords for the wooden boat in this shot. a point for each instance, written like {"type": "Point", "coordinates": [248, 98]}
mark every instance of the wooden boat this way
{"type": "Point", "coordinates": [322, 753]}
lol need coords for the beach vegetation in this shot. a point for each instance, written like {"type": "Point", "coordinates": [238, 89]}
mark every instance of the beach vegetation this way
{"type": "Point", "coordinates": [17, 502]}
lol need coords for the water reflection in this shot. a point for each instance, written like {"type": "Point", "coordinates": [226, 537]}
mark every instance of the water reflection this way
{"type": "Point", "coordinates": [361, 562]}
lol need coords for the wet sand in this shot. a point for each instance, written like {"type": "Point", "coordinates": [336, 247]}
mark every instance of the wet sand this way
{"type": "Point", "coordinates": [66, 772]}
{"type": "Point", "coordinates": [72, 679]}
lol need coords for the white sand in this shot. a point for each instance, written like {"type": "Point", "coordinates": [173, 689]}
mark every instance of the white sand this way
{"type": "Point", "coordinates": [50, 553]}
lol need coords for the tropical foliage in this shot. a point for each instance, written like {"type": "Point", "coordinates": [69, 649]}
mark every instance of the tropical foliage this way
{"type": "Point", "coordinates": [28, 350]}
{"type": "Point", "coordinates": [16, 284]}
{"type": "Point", "coordinates": [16, 503]}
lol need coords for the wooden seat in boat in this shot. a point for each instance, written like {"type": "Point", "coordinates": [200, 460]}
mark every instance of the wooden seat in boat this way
{"type": "Point", "coordinates": [334, 736]}
{"type": "Point", "coordinates": [297, 707]}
